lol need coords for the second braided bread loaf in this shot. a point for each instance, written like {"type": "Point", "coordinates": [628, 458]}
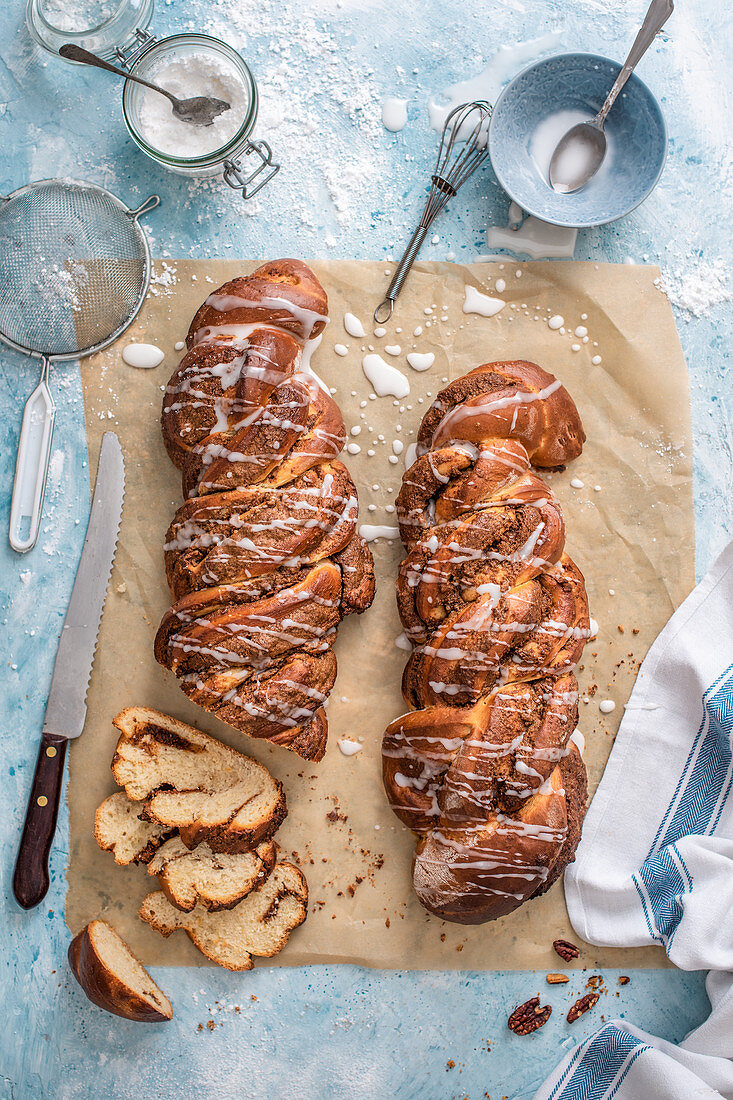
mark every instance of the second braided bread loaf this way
{"type": "Point", "coordinates": [488, 772]}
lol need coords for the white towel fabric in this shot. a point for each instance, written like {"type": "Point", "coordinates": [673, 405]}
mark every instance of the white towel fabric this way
{"type": "Point", "coordinates": [655, 864]}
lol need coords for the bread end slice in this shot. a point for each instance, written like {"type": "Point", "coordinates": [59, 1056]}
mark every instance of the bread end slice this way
{"type": "Point", "coordinates": [113, 979]}
{"type": "Point", "coordinates": [259, 925]}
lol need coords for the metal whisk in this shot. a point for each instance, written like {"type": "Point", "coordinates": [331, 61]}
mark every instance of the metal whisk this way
{"type": "Point", "coordinates": [463, 147]}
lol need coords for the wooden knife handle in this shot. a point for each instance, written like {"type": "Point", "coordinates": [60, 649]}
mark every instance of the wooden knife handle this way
{"type": "Point", "coordinates": [30, 881]}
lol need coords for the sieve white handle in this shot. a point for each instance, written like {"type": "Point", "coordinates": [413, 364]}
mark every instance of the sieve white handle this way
{"type": "Point", "coordinates": [31, 466]}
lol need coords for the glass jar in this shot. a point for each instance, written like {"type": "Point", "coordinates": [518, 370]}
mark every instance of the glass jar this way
{"type": "Point", "coordinates": [120, 35]}
{"type": "Point", "coordinates": [105, 27]}
{"type": "Point", "coordinates": [225, 159]}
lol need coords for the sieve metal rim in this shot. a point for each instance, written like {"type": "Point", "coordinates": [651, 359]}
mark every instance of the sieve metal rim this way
{"type": "Point", "coordinates": [129, 212]}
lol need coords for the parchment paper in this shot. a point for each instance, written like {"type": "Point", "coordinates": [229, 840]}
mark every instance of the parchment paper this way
{"type": "Point", "coordinates": [633, 534]}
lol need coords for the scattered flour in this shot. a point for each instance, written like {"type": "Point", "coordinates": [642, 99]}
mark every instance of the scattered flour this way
{"type": "Point", "coordinates": [699, 287]}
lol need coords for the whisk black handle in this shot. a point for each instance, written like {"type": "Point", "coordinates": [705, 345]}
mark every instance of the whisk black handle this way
{"type": "Point", "coordinates": [383, 312]}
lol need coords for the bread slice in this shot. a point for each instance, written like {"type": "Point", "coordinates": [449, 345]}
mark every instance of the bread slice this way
{"type": "Point", "coordinates": [192, 782]}
{"type": "Point", "coordinates": [119, 828]}
{"type": "Point", "coordinates": [259, 925]}
{"type": "Point", "coordinates": [214, 880]}
{"type": "Point", "coordinates": [112, 977]}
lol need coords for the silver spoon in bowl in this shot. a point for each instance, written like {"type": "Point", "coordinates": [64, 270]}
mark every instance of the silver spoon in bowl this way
{"type": "Point", "coordinates": [200, 110]}
{"type": "Point", "coordinates": [579, 154]}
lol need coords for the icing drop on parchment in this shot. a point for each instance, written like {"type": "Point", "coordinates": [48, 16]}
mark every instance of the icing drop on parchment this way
{"type": "Point", "coordinates": [372, 531]}
{"type": "Point", "coordinates": [353, 326]}
{"type": "Point", "coordinates": [476, 302]}
{"type": "Point", "coordinates": [384, 378]}
{"type": "Point", "coordinates": [143, 356]}
{"type": "Point", "coordinates": [420, 360]}
{"type": "Point", "coordinates": [348, 747]}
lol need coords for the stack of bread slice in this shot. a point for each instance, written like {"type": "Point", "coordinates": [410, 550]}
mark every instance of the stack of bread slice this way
{"type": "Point", "coordinates": [202, 817]}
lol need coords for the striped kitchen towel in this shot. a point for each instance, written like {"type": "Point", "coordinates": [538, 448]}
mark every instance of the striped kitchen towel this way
{"type": "Point", "coordinates": [655, 864]}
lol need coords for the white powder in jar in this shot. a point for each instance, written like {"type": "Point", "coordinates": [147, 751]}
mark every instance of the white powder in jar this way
{"type": "Point", "coordinates": [195, 74]}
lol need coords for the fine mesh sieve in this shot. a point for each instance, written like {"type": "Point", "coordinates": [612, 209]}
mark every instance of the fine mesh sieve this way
{"type": "Point", "coordinates": [74, 271]}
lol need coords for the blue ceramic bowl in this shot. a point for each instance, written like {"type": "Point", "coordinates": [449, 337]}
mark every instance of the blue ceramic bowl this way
{"type": "Point", "coordinates": [541, 104]}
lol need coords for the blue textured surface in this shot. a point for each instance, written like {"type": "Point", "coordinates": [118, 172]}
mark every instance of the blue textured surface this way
{"type": "Point", "coordinates": [347, 189]}
{"type": "Point", "coordinates": [635, 131]}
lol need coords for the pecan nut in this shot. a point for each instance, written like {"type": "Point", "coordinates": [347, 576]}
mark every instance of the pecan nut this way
{"type": "Point", "coordinates": [566, 950]}
{"type": "Point", "coordinates": [529, 1016]}
{"type": "Point", "coordinates": [585, 1004]}
{"type": "Point", "coordinates": [624, 979]}
{"type": "Point", "coordinates": [557, 979]}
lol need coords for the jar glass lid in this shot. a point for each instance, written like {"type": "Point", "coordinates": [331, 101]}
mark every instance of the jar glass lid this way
{"type": "Point", "coordinates": [104, 27]}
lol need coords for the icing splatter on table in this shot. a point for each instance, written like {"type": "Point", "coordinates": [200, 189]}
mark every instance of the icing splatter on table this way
{"type": "Point", "coordinates": [349, 187]}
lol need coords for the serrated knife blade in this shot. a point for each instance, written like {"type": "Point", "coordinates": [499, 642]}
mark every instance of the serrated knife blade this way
{"type": "Point", "coordinates": [66, 709]}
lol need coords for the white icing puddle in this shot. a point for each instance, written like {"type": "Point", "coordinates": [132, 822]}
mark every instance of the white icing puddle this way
{"type": "Point", "coordinates": [348, 747]}
{"type": "Point", "coordinates": [476, 302]}
{"type": "Point", "coordinates": [394, 114]}
{"type": "Point", "coordinates": [353, 326]}
{"type": "Point", "coordinates": [372, 531]}
{"type": "Point", "coordinates": [507, 61]}
{"type": "Point", "coordinates": [385, 379]}
{"type": "Point", "coordinates": [420, 360]}
{"type": "Point", "coordinates": [533, 238]}
{"type": "Point", "coordinates": [143, 356]}
{"type": "Point", "coordinates": [547, 135]}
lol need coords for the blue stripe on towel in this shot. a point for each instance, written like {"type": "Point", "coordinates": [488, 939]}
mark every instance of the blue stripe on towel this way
{"type": "Point", "coordinates": [597, 1063]}
{"type": "Point", "coordinates": [695, 809]}
{"type": "Point", "coordinates": [712, 738]}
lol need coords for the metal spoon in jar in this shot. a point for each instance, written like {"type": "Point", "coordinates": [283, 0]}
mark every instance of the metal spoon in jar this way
{"type": "Point", "coordinates": [200, 110]}
{"type": "Point", "coordinates": [580, 152]}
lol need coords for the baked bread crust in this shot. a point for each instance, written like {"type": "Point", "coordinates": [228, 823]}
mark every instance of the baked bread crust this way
{"type": "Point", "coordinates": [113, 979]}
{"type": "Point", "coordinates": [486, 774]}
{"type": "Point", "coordinates": [269, 523]}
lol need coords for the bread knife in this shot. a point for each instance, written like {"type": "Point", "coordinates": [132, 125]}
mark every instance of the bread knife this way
{"type": "Point", "coordinates": [66, 709]}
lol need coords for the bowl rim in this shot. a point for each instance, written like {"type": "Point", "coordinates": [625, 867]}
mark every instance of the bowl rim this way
{"type": "Point", "coordinates": [634, 78]}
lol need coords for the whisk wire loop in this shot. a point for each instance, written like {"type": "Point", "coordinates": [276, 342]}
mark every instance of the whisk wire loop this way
{"type": "Point", "coordinates": [463, 148]}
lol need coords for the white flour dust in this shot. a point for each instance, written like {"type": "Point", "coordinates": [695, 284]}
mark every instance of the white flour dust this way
{"type": "Point", "coordinates": [699, 287]}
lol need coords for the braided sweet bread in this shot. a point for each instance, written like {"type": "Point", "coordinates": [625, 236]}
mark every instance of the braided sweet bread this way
{"type": "Point", "coordinates": [263, 559]}
{"type": "Point", "coordinates": [488, 773]}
